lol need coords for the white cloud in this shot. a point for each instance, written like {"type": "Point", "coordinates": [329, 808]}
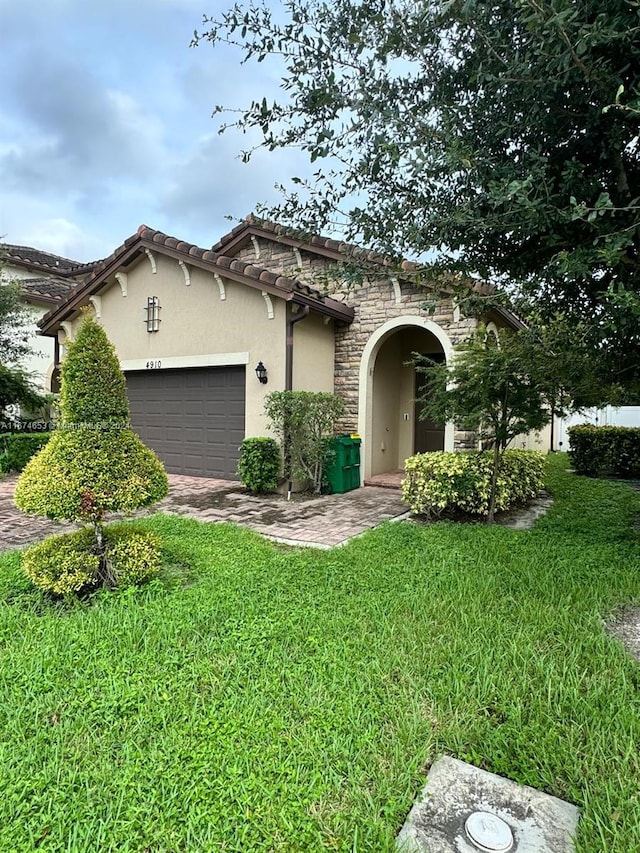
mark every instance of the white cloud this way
{"type": "Point", "coordinates": [105, 123]}
{"type": "Point", "coordinates": [58, 236]}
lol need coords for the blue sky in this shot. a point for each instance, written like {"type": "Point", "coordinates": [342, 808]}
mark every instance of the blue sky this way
{"type": "Point", "coordinates": [105, 123]}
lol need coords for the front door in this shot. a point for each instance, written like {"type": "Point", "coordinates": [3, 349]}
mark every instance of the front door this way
{"type": "Point", "coordinates": [428, 435]}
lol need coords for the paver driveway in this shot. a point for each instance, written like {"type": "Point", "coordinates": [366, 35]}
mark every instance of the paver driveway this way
{"type": "Point", "coordinates": [322, 521]}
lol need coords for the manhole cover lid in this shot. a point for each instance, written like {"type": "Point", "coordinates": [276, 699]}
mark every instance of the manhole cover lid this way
{"type": "Point", "coordinates": [489, 832]}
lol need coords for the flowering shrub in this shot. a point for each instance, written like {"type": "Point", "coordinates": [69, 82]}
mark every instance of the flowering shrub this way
{"type": "Point", "coordinates": [445, 482]}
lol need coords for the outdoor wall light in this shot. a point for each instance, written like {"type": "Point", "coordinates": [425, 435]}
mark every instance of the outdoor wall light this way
{"type": "Point", "coordinates": [261, 373]}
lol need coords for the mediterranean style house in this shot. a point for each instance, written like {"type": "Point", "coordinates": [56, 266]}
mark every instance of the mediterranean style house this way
{"type": "Point", "coordinates": [204, 334]}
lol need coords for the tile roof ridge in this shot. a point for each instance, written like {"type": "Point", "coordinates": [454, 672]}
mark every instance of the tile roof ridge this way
{"type": "Point", "coordinates": [311, 240]}
{"type": "Point", "coordinates": [154, 238]}
{"type": "Point", "coordinates": [248, 268]}
{"type": "Point", "coordinates": [16, 248]}
{"type": "Point", "coordinates": [34, 279]}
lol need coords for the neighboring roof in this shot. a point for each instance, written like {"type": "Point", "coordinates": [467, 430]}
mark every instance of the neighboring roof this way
{"type": "Point", "coordinates": [289, 289]}
{"type": "Point", "coordinates": [49, 289]}
{"type": "Point", "coordinates": [26, 256]}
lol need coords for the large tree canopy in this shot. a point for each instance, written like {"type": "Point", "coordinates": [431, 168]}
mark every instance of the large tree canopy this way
{"type": "Point", "coordinates": [501, 135]}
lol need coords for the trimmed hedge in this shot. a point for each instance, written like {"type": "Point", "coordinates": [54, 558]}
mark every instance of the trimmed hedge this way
{"type": "Point", "coordinates": [441, 482]}
{"type": "Point", "coordinates": [17, 448]}
{"type": "Point", "coordinates": [610, 450]}
{"type": "Point", "coordinates": [259, 464]}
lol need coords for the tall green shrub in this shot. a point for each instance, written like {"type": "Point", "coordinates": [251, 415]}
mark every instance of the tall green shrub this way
{"type": "Point", "coordinates": [94, 463]}
{"type": "Point", "coordinates": [303, 421]}
{"type": "Point", "coordinates": [497, 388]}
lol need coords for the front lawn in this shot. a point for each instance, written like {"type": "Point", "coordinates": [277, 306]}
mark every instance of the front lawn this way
{"type": "Point", "coordinates": [271, 699]}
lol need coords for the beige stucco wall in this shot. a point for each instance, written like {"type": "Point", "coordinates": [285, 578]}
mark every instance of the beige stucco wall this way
{"type": "Point", "coordinates": [198, 328]}
{"type": "Point", "coordinates": [386, 405]}
{"type": "Point", "coordinates": [314, 353]}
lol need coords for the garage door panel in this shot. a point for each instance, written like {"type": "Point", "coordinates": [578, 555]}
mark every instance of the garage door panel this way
{"type": "Point", "coordinates": [152, 434]}
{"type": "Point", "coordinates": [194, 407]}
{"type": "Point", "coordinates": [218, 380]}
{"type": "Point", "coordinates": [192, 418]}
{"type": "Point", "coordinates": [216, 436]}
{"type": "Point", "coordinates": [193, 438]}
{"type": "Point", "coordinates": [169, 378]}
{"type": "Point", "coordinates": [173, 433]}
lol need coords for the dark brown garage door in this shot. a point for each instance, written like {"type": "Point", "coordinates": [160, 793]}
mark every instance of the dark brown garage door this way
{"type": "Point", "coordinates": [193, 419]}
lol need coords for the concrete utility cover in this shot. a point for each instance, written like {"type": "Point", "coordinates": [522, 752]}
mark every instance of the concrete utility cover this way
{"type": "Point", "coordinates": [465, 810]}
{"type": "Point", "coordinates": [489, 832]}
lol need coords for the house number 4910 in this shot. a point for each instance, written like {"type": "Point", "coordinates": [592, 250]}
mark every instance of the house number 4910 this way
{"type": "Point", "coordinates": [154, 365]}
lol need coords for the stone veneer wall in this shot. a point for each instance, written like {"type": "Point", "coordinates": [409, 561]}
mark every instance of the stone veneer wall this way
{"type": "Point", "coordinates": [374, 304]}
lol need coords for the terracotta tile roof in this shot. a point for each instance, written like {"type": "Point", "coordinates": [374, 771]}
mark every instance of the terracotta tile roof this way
{"type": "Point", "coordinates": [337, 249]}
{"type": "Point", "coordinates": [230, 267]}
{"type": "Point", "coordinates": [36, 259]}
{"type": "Point", "coordinates": [48, 289]}
{"type": "Point", "coordinates": [253, 224]}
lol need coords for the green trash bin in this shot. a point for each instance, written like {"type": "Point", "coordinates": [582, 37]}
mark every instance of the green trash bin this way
{"type": "Point", "coordinates": [343, 471]}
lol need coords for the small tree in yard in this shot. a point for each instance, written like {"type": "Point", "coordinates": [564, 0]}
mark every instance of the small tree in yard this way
{"type": "Point", "coordinates": [303, 421]}
{"type": "Point", "coordinates": [16, 386]}
{"type": "Point", "coordinates": [94, 464]}
{"type": "Point", "coordinates": [497, 388]}
{"type": "Point", "coordinates": [15, 323]}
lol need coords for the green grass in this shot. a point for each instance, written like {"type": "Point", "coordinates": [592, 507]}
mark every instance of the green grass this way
{"type": "Point", "coordinates": [272, 699]}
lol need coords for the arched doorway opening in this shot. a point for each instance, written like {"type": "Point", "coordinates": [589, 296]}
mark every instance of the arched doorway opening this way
{"type": "Point", "coordinates": [389, 421]}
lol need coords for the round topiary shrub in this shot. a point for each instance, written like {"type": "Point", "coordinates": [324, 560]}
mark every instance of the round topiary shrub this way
{"type": "Point", "coordinates": [62, 564]}
{"type": "Point", "coordinates": [68, 564]}
{"type": "Point", "coordinates": [94, 463]}
{"type": "Point", "coordinates": [134, 556]}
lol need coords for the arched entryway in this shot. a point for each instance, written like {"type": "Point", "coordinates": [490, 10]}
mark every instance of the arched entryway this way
{"type": "Point", "coordinates": [388, 417]}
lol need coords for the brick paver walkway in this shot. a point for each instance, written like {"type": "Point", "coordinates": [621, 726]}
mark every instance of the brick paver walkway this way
{"type": "Point", "coordinates": [322, 521]}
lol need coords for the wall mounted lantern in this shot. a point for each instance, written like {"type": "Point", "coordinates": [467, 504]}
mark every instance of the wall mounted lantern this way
{"type": "Point", "coordinates": [261, 373]}
{"type": "Point", "coordinates": [153, 314]}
